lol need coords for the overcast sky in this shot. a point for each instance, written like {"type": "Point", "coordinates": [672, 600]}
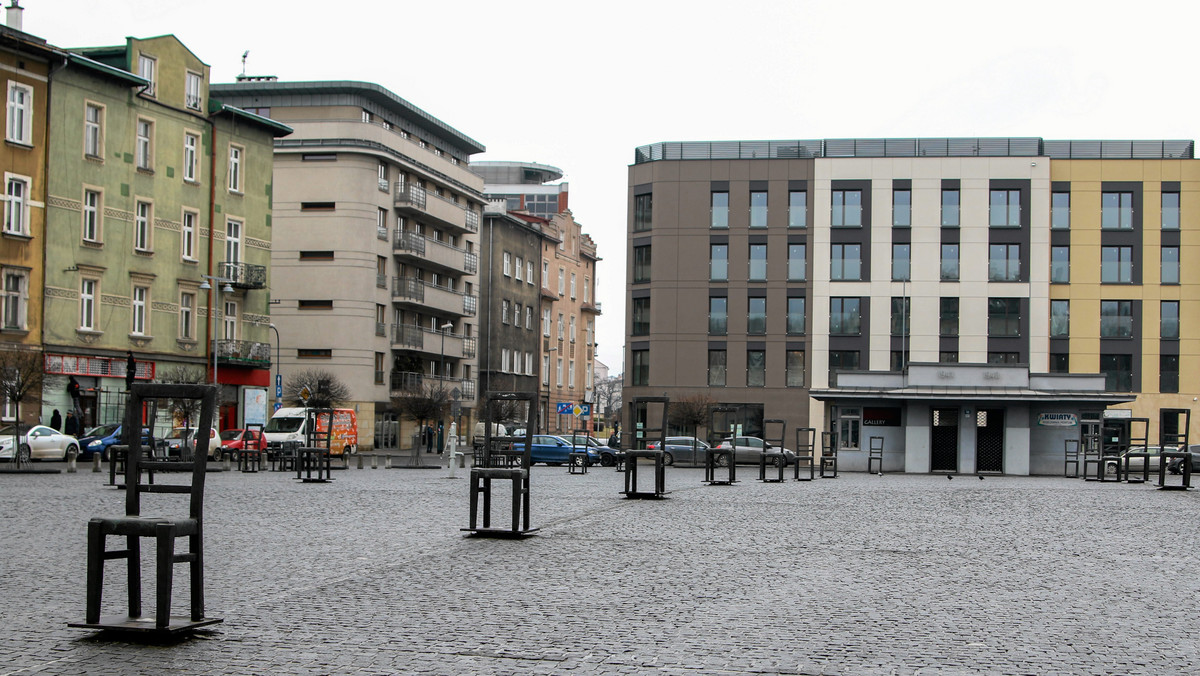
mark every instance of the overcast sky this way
{"type": "Point", "coordinates": [579, 85]}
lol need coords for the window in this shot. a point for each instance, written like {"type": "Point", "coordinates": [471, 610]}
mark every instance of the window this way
{"type": "Point", "coordinates": [229, 320]}
{"type": "Point", "coordinates": [1170, 211]}
{"type": "Point", "coordinates": [587, 293]}
{"type": "Point", "coordinates": [191, 87]}
{"type": "Point", "coordinates": [797, 209]}
{"type": "Point", "coordinates": [187, 239]}
{"type": "Point", "coordinates": [1004, 209]}
{"type": "Point", "coordinates": [641, 316]}
{"type": "Point", "coordinates": [756, 368]}
{"type": "Point", "coordinates": [561, 326]}
{"type": "Point", "coordinates": [720, 210]}
{"type": "Point", "coordinates": [1060, 264]}
{"type": "Point", "coordinates": [20, 113]}
{"type": "Point", "coordinates": [529, 272]}
{"type": "Point", "coordinates": [572, 286]}
{"type": "Point", "coordinates": [1118, 372]}
{"type": "Point", "coordinates": [140, 296]}
{"type": "Point", "coordinates": [643, 207]}
{"type": "Point", "coordinates": [950, 208]}
{"type": "Point", "coordinates": [640, 373]}
{"type": "Point", "coordinates": [795, 368]}
{"type": "Point", "coordinates": [16, 290]}
{"type": "Point", "coordinates": [143, 220]}
{"type": "Point", "coordinates": [233, 244]}
{"type": "Point", "coordinates": [546, 322]}
{"type": "Point", "coordinates": [518, 269]}
{"type": "Point", "coordinates": [949, 262]}
{"type": "Point", "coordinates": [844, 316]}
{"type": "Point", "coordinates": [797, 262]}
{"type": "Point", "coordinates": [235, 168]}
{"type": "Point", "coordinates": [1168, 373]}
{"type": "Point", "coordinates": [847, 209]}
{"type": "Point", "coordinates": [562, 281]}
{"type": "Point", "coordinates": [948, 317]}
{"type": "Point", "coordinates": [318, 206]}
{"type": "Point", "coordinates": [505, 309]}
{"type": "Point", "coordinates": [901, 264]}
{"type": "Point", "coordinates": [901, 316]}
{"type": "Point", "coordinates": [718, 262]}
{"type": "Point", "coordinates": [1060, 362]}
{"type": "Point", "coordinates": [16, 209]}
{"type": "Point", "coordinates": [571, 373]}
{"type": "Point", "coordinates": [93, 130]}
{"type": "Point", "coordinates": [1168, 319]}
{"type": "Point", "coordinates": [1116, 211]}
{"type": "Point", "coordinates": [758, 209]}
{"type": "Point", "coordinates": [187, 315]}
{"type": "Point", "coordinates": [91, 216]}
{"type": "Point", "coordinates": [1003, 358]}
{"type": "Point", "coordinates": [902, 208]}
{"type": "Point", "coordinates": [718, 315]}
{"type": "Point", "coordinates": [529, 317]}
{"type": "Point", "coordinates": [795, 315]}
{"type": "Point", "coordinates": [1060, 318]}
{"type": "Point", "coordinates": [847, 427]}
{"type": "Point", "coordinates": [507, 264]}
{"type": "Point", "coordinates": [381, 225]}
{"type": "Point", "coordinates": [844, 360]}
{"type": "Point", "coordinates": [517, 315]}
{"type": "Point", "coordinates": [758, 262]}
{"type": "Point", "coordinates": [1004, 262]}
{"type": "Point", "coordinates": [1116, 319]}
{"type": "Point", "coordinates": [845, 262]}
{"type": "Point", "coordinates": [1116, 265]}
{"type": "Point", "coordinates": [756, 316]}
{"type": "Point", "coordinates": [145, 144]}
{"type": "Point", "coordinates": [87, 304]}
{"type": "Point", "coordinates": [898, 360]}
{"type": "Point", "coordinates": [1004, 317]}
{"type": "Point", "coordinates": [1170, 265]}
{"type": "Point", "coordinates": [146, 68]}
{"type": "Point", "coordinates": [379, 367]}
{"type": "Point", "coordinates": [505, 360]}
{"type": "Point", "coordinates": [716, 368]}
{"type": "Point", "coordinates": [947, 357]}
{"type": "Point", "coordinates": [313, 353]}
{"type": "Point", "coordinates": [545, 274]}
{"type": "Point", "coordinates": [1060, 210]}
{"type": "Point", "coordinates": [191, 142]}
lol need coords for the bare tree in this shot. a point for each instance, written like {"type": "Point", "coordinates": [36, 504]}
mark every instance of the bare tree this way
{"type": "Point", "coordinates": [21, 374]}
{"type": "Point", "coordinates": [325, 390]}
{"type": "Point", "coordinates": [429, 402]}
{"type": "Point", "coordinates": [187, 409]}
{"type": "Point", "coordinates": [692, 412]}
{"type": "Point", "coordinates": [607, 396]}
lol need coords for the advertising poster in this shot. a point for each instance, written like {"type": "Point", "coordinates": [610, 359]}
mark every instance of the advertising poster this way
{"type": "Point", "coordinates": [254, 406]}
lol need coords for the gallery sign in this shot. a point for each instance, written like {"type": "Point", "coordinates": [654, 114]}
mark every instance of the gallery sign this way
{"type": "Point", "coordinates": [881, 417]}
{"type": "Point", "coordinates": [1058, 420]}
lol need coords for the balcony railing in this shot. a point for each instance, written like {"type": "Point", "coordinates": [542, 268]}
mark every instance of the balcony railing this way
{"type": "Point", "coordinates": [244, 275]}
{"type": "Point", "coordinates": [381, 233]}
{"type": "Point", "coordinates": [433, 252]}
{"type": "Point", "coordinates": [407, 335]}
{"type": "Point", "coordinates": [409, 383]}
{"type": "Point", "coordinates": [412, 198]}
{"type": "Point", "coordinates": [381, 281]}
{"type": "Point", "coordinates": [380, 329]}
{"type": "Point", "coordinates": [409, 289]}
{"type": "Point", "coordinates": [242, 352]}
{"type": "Point", "coordinates": [409, 195]}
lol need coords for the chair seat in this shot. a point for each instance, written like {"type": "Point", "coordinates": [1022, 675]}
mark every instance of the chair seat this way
{"type": "Point", "coordinates": [145, 526]}
{"type": "Point", "coordinates": [499, 472]}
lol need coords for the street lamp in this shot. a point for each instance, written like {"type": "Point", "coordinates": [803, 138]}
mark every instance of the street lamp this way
{"type": "Point", "coordinates": [442, 367]}
{"type": "Point", "coordinates": [546, 419]}
{"type": "Point", "coordinates": [212, 344]}
{"type": "Point", "coordinates": [278, 371]}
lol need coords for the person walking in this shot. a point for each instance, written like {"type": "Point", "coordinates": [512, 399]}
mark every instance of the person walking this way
{"type": "Point", "coordinates": [56, 421]}
{"type": "Point", "coordinates": [72, 428]}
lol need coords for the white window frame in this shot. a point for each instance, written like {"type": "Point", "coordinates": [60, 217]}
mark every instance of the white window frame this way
{"type": "Point", "coordinates": [16, 204]}
{"type": "Point", "coordinates": [572, 333]}
{"type": "Point", "coordinates": [559, 372]}
{"type": "Point", "coordinates": [504, 309]}
{"type": "Point", "coordinates": [89, 293]}
{"type": "Point", "coordinates": [233, 241]}
{"type": "Point", "coordinates": [92, 216]}
{"type": "Point", "coordinates": [236, 155]}
{"type": "Point", "coordinates": [145, 143]}
{"type": "Point", "coordinates": [562, 280]}
{"type": "Point", "coordinates": [571, 374]}
{"type": "Point", "coordinates": [507, 264]}
{"type": "Point", "coordinates": [546, 322]}
{"type": "Point", "coordinates": [16, 301]}
{"type": "Point", "coordinates": [529, 317]}
{"type": "Point", "coordinates": [191, 156]}
{"type": "Point", "coordinates": [546, 369]}
{"type": "Point", "coordinates": [20, 113]}
{"type": "Point", "coordinates": [561, 326]}
{"type": "Point", "coordinates": [229, 320]}
{"type": "Point", "coordinates": [191, 88]}
{"type": "Point", "coordinates": [528, 363]}
{"type": "Point", "coordinates": [187, 314]}
{"type": "Point", "coordinates": [187, 234]}
{"type": "Point", "coordinates": [573, 279]}
{"type": "Point", "coordinates": [143, 224]}
{"type": "Point", "coordinates": [545, 274]}
{"type": "Point", "coordinates": [587, 296]}
{"type": "Point", "coordinates": [148, 69]}
{"type": "Point", "coordinates": [93, 131]}
{"type": "Point", "coordinates": [529, 272]}
{"type": "Point", "coordinates": [505, 359]}
{"type": "Point", "coordinates": [140, 303]}
{"type": "Point", "coordinates": [519, 265]}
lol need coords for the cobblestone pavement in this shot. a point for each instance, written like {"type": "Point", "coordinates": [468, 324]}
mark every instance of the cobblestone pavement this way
{"type": "Point", "coordinates": [861, 574]}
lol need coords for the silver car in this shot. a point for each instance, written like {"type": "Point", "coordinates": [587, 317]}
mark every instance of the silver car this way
{"type": "Point", "coordinates": [687, 450]}
{"type": "Point", "coordinates": [748, 450]}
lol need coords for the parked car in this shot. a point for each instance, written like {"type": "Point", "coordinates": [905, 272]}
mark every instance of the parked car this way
{"type": "Point", "coordinates": [747, 450]}
{"type": "Point", "coordinates": [1135, 461]}
{"type": "Point", "coordinates": [36, 443]}
{"type": "Point", "coordinates": [554, 450]}
{"type": "Point", "coordinates": [180, 443]}
{"type": "Point", "coordinates": [100, 438]}
{"type": "Point", "coordinates": [682, 449]}
{"type": "Point", "coordinates": [1176, 464]}
{"type": "Point", "coordinates": [236, 440]}
{"type": "Point", "coordinates": [608, 455]}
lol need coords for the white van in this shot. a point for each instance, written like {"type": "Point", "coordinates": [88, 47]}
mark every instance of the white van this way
{"type": "Point", "coordinates": [498, 430]}
{"type": "Point", "coordinates": [289, 424]}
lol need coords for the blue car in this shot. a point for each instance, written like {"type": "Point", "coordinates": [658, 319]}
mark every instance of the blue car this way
{"type": "Point", "coordinates": [554, 450]}
{"type": "Point", "coordinates": [98, 439]}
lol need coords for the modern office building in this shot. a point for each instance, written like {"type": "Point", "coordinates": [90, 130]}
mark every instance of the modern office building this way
{"type": "Point", "coordinates": [807, 280]}
{"type": "Point", "coordinates": [375, 264]}
{"type": "Point", "coordinates": [524, 186]}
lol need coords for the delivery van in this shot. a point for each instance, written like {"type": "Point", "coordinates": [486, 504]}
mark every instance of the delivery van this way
{"type": "Point", "coordinates": [290, 424]}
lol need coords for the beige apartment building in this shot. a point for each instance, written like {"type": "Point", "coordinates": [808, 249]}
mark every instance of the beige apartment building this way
{"type": "Point", "coordinates": [374, 264]}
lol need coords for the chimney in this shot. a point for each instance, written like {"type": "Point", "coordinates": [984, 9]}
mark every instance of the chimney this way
{"type": "Point", "coordinates": [12, 16]}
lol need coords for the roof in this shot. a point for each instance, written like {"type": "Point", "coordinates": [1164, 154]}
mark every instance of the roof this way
{"type": "Point", "coordinates": [976, 393]}
{"type": "Point", "coordinates": [217, 108]}
{"type": "Point", "coordinates": [106, 70]}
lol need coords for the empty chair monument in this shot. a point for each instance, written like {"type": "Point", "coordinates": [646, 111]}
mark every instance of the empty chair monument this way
{"type": "Point", "coordinates": [640, 410]}
{"type": "Point", "coordinates": [517, 476]}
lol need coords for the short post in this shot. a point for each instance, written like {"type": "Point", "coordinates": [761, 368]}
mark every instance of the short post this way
{"type": "Point", "coordinates": [96, 463]}
{"type": "Point", "coordinates": [225, 461]}
{"type": "Point", "coordinates": [387, 462]}
{"type": "Point", "coordinates": [360, 460]}
{"type": "Point", "coordinates": [451, 452]}
{"type": "Point", "coordinates": [374, 462]}
{"type": "Point", "coordinates": [71, 461]}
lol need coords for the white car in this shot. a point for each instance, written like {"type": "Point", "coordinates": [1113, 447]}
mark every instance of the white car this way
{"type": "Point", "coordinates": [748, 450]}
{"type": "Point", "coordinates": [37, 443]}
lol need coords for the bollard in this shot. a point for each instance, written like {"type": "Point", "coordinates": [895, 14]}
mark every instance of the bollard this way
{"type": "Point", "coordinates": [225, 461]}
{"type": "Point", "coordinates": [451, 451]}
{"type": "Point", "coordinates": [96, 462]}
{"type": "Point", "coordinates": [374, 462]}
{"type": "Point", "coordinates": [387, 462]}
{"type": "Point", "coordinates": [71, 462]}
{"type": "Point", "coordinates": [360, 461]}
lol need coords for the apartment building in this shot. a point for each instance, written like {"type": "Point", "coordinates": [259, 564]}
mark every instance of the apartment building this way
{"type": "Point", "coordinates": [961, 299]}
{"type": "Point", "coordinates": [376, 262]}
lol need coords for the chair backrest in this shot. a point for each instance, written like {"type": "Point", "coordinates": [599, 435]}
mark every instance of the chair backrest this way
{"type": "Point", "coordinates": [146, 396]}
{"type": "Point", "coordinates": [647, 433]}
{"type": "Point", "coordinates": [492, 401]}
{"type": "Point", "coordinates": [769, 436]}
{"type": "Point", "coordinates": [252, 438]}
{"type": "Point", "coordinates": [1071, 448]}
{"type": "Point", "coordinates": [828, 444]}
{"type": "Point", "coordinates": [806, 441]}
{"type": "Point", "coordinates": [876, 446]}
{"type": "Point", "coordinates": [1173, 426]}
{"type": "Point", "coordinates": [319, 428]}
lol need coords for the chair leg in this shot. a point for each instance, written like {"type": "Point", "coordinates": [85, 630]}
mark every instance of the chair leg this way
{"type": "Point", "coordinates": [196, 548]}
{"type": "Point", "coordinates": [474, 500]}
{"type": "Point", "coordinates": [133, 574]}
{"type": "Point", "coordinates": [95, 572]}
{"type": "Point", "coordinates": [165, 535]}
{"type": "Point", "coordinates": [516, 505]}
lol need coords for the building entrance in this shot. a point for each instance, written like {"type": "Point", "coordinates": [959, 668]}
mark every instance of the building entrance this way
{"type": "Point", "coordinates": [989, 440]}
{"type": "Point", "coordinates": [943, 455]}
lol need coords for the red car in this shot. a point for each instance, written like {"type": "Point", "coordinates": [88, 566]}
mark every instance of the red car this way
{"type": "Point", "coordinates": [236, 440]}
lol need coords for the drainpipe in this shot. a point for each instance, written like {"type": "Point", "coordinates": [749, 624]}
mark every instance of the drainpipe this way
{"type": "Point", "coordinates": [212, 228]}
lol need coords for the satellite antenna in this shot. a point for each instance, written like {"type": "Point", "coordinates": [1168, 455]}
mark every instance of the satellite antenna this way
{"type": "Point", "coordinates": [244, 55]}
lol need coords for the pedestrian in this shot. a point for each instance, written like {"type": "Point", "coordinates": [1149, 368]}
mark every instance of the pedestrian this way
{"type": "Point", "coordinates": [429, 438]}
{"type": "Point", "coordinates": [56, 421]}
{"type": "Point", "coordinates": [72, 428]}
{"type": "Point", "coordinates": [73, 392]}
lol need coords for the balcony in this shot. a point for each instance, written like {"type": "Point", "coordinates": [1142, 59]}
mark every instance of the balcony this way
{"type": "Point", "coordinates": [549, 294]}
{"type": "Point", "coordinates": [412, 199]}
{"type": "Point", "coordinates": [244, 275]}
{"type": "Point", "coordinates": [407, 290]}
{"type": "Point", "coordinates": [408, 383]}
{"type": "Point", "coordinates": [593, 308]}
{"type": "Point", "coordinates": [429, 341]}
{"type": "Point", "coordinates": [413, 248]}
{"type": "Point", "coordinates": [242, 352]}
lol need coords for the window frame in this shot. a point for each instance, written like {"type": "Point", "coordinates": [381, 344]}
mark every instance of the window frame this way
{"type": "Point", "coordinates": [718, 368]}
{"type": "Point", "coordinates": [1169, 271]}
{"type": "Point", "coordinates": [19, 114]}
{"type": "Point", "coordinates": [237, 155]}
{"type": "Point", "coordinates": [1116, 319]}
{"type": "Point", "coordinates": [842, 320]}
{"type": "Point", "coordinates": [144, 143]}
{"type": "Point", "coordinates": [191, 157]}
{"type": "Point", "coordinates": [797, 264]}
{"type": "Point", "coordinates": [1006, 324]}
{"type": "Point", "coordinates": [1118, 216]}
{"type": "Point", "coordinates": [93, 131]}
{"type": "Point", "coordinates": [838, 263]}
{"type": "Point", "coordinates": [1123, 264]}
{"type": "Point", "coordinates": [797, 213]}
{"type": "Point", "coordinates": [1164, 333]}
{"type": "Point", "coordinates": [902, 266]}
{"type": "Point", "coordinates": [756, 367]}
{"type": "Point", "coordinates": [718, 218]}
{"type": "Point", "coordinates": [901, 210]}
{"type": "Point", "coordinates": [143, 226]}
{"type": "Point", "coordinates": [1060, 214]}
{"type": "Point", "coordinates": [1002, 212]}
{"type": "Point", "coordinates": [713, 263]}
{"type": "Point", "coordinates": [757, 268]}
{"type": "Point", "coordinates": [187, 314]}
{"type": "Point", "coordinates": [1001, 269]}
{"type": "Point", "coordinates": [643, 212]}
{"type": "Point", "coordinates": [791, 325]}
{"type": "Point", "coordinates": [192, 99]}
{"type": "Point", "coordinates": [95, 212]}
{"type": "Point", "coordinates": [758, 212]}
{"type": "Point", "coordinates": [1060, 322]}
{"type": "Point", "coordinates": [148, 70]}
{"type": "Point", "coordinates": [951, 215]}
{"type": "Point", "coordinates": [957, 270]}
{"type": "Point", "coordinates": [838, 208]}
{"type": "Point", "coordinates": [88, 302]}
{"type": "Point", "coordinates": [139, 303]}
{"type": "Point", "coordinates": [756, 316]}
{"type": "Point", "coordinates": [1060, 270]}
{"type": "Point", "coordinates": [945, 303]}
{"type": "Point", "coordinates": [16, 206]}
{"type": "Point", "coordinates": [639, 317]}
{"type": "Point", "coordinates": [1169, 218]}
{"type": "Point", "coordinates": [718, 317]}
{"type": "Point", "coordinates": [16, 301]}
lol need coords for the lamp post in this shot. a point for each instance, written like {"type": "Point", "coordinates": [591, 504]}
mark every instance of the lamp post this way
{"type": "Point", "coordinates": [442, 367]}
{"type": "Point", "coordinates": [212, 345]}
{"type": "Point", "coordinates": [546, 420]}
{"type": "Point", "coordinates": [278, 371]}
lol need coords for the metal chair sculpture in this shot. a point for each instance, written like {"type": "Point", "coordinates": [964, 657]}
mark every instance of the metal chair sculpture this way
{"type": "Point", "coordinates": [250, 455]}
{"type": "Point", "coordinates": [1089, 441]}
{"type": "Point", "coordinates": [312, 460]}
{"type": "Point", "coordinates": [1173, 433]}
{"type": "Point", "coordinates": [713, 456]}
{"type": "Point", "coordinates": [577, 459]}
{"type": "Point", "coordinates": [875, 454]}
{"type": "Point", "coordinates": [656, 458]}
{"type": "Point", "coordinates": [806, 443]}
{"type": "Point", "coordinates": [518, 476]}
{"type": "Point", "coordinates": [1114, 444]}
{"type": "Point", "coordinates": [165, 530]}
{"type": "Point", "coordinates": [1071, 458]}
{"type": "Point", "coordinates": [829, 458]}
{"type": "Point", "coordinates": [775, 457]}
{"type": "Point", "coordinates": [1139, 432]}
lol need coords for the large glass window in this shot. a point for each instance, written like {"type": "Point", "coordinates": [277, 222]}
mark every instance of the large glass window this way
{"type": "Point", "coordinates": [902, 208]}
{"type": "Point", "coordinates": [1060, 264]}
{"type": "Point", "coordinates": [1004, 208]}
{"type": "Point", "coordinates": [845, 262]}
{"type": "Point", "coordinates": [950, 208]}
{"type": "Point", "coordinates": [1170, 211]}
{"type": "Point", "coordinates": [758, 209]}
{"type": "Point", "coordinates": [1004, 262]}
{"type": "Point", "coordinates": [756, 316]}
{"type": "Point", "coordinates": [1169, 319]}
{"type": "Point", "coordinates": [145, 144]}
{"type": "Point", "coordinates": [15, 290]}
{"type": "Point", "coordinates": [641, 316]}
{"type": "Point", "coordinates": [718, 262]}
{"type": "Point", "coordinates": [1170, 265]}
{"type": "Point", "coordinates": [1060, 210]}
{"type": "Point", "coordinates": [1116, 264]}
{"type": "Point", "coordinates": [847, 208]}
{"type": "Point", "coordinates": [758, 262]}
{"type": "Point", "coordinates": [720, 210]}
{"type": "Point", "coordinates": [845, 318]}
{"type": "Point", "coordinates": [20, 113]}
{"type": "Point", "coordinates": [640, 373]}
{"type": "Point", "coordinates": [844, 360]}
{"type": "Point", "coordinates": [797, 262]}
{"type": "Point", "coordinates": [797, 209]}
{"type": "Point", "coordinates": [1118, 372]}
{"type": "Point", "coordinates": [1116, 319]}
{"type": "Point", "coordinates": [849, 421]}
{"type": "Point", "coordinates": [718, 315]}
{"type": "Point", "coordinates": [1060, 318]}
{"type": "Point", "coordinates": [641, 264]}
{"type": "Point", "coordinates": [1004, 317]}
{"type": "Point", "coordinates": [795, 315]}
{"type": "Point", "coordinates": [1003, 358]}
{"type": "Point", "coordinates": [901, 316]}
{"type": "Point", "coordinates": [716, 368]}
{"type": "Point", "coordinates": [949, 262]}
{"type": "Point", "coordinates": [1116, 211]}
{"type": "Point", "coordinates": [643, 206]}
{"type": "Point", "coordinates": [948, 318]}
{"type": "Point", "coordinates": [898, 360]}
{"type": "Point", "coordinates": [1168, 373]}
{"type": "Point", "coordinates": [1060, 362]}
{"type": "Point", "coordinates": [947, 357]}
{"type": "Point", "coordinates": [16, 208]}
{"type": "Point", "coordinates": [795, 368]}
{"type": "Point", "coordinates": [143, 220]}
{"type": "Point", "coordinates": [901, 262]}
{"type": "Point", "coordinates": [756, 368]}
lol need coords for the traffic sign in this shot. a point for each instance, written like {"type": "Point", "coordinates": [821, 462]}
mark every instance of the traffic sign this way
{"type": "Point", "coordinates": [564, 407]}
{"type": "Point", "coordinates": [278, 406]}
{"type": "Point", "coordinates": [278, 387]}
{"type": "Point", "coordinates": [305, 394]}
{"type": "Point", "coordinates": [580, 410]}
